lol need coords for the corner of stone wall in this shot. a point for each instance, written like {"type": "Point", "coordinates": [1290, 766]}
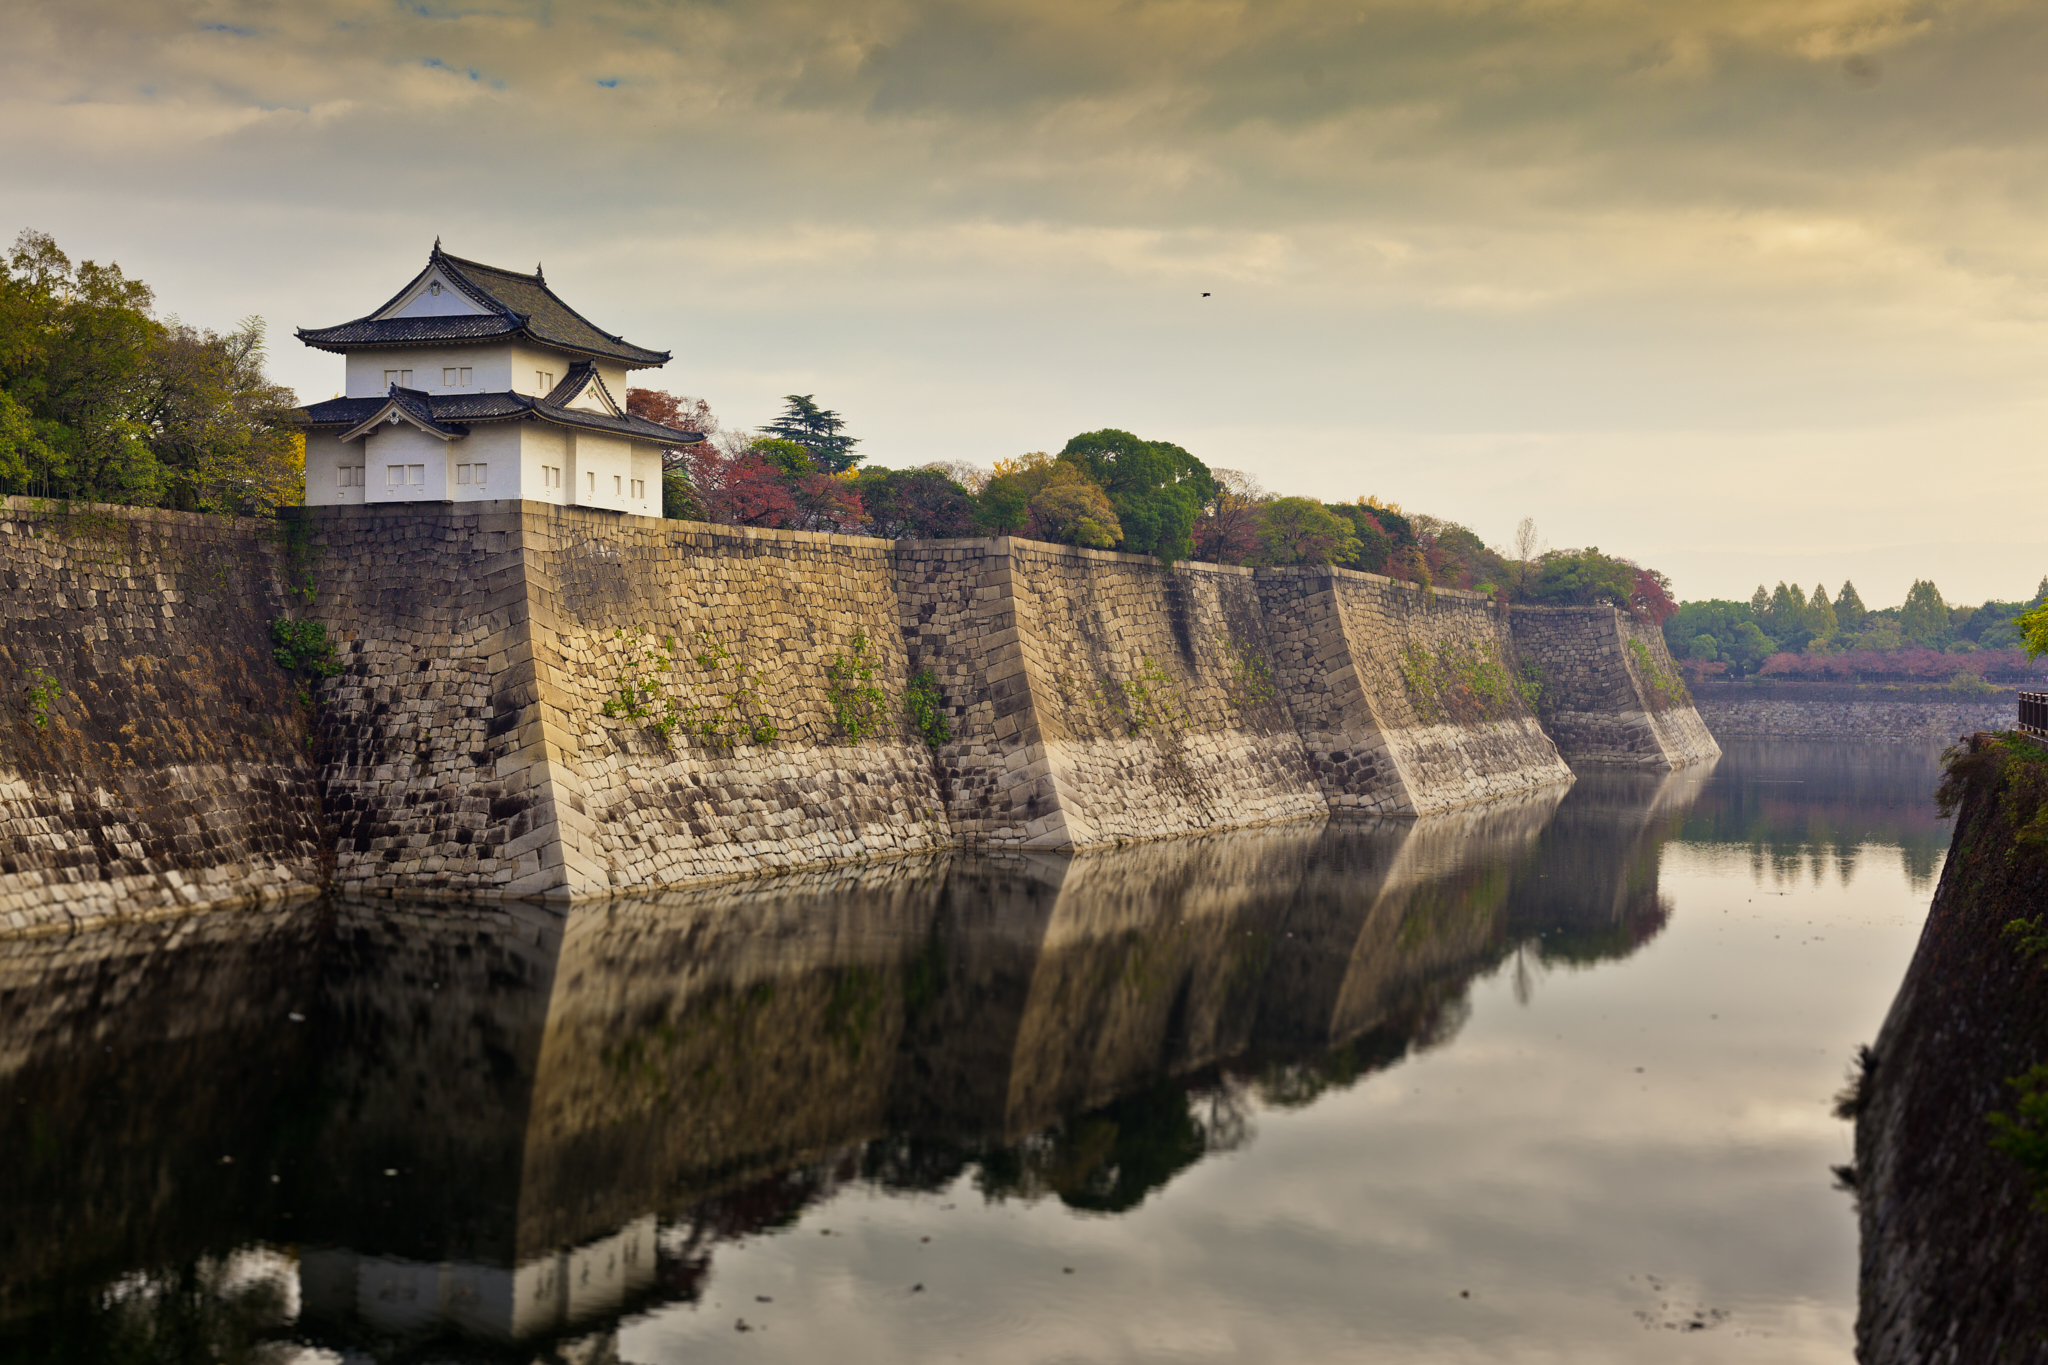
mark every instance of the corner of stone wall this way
{"type": "Point", "coordinates": [1598, 703]}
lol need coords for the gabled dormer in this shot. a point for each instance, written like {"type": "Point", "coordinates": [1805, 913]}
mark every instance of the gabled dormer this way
{"type": "Point", "coordinates": [583, 389]}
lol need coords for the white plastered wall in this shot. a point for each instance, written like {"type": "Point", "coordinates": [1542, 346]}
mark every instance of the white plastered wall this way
{"type": "Point", "coordinates": [403, 444]}
{"type": "Point", "coordinates": [326, 455]}
{"type": "Point", "coordinates": [542, 445]}
{"type": "Point", "coordinates": [497, 447]}
{"type": "Point", "coordinates": [647, 469]}
{"type": "Point", "coordinates": [600, 468]}
{"type": "Point", "coordinates": [490, 369]}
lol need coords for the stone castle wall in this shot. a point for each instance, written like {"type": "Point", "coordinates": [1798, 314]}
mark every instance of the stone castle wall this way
{"type": "Point", "coordinates": [1870, 719]}
{"type": "Point", "coordinates": [1098, 697]}
{"type": "Point", "coordinates": [540, 701]}
{"type": "Point", "coordinates": [509, 668]}
{"type": "Point", "coordinates": [1417, 655]}
{"type": "Point", "coordinates": [1611, 693]}
{"type": "Point", "coordinates": [169, 769]}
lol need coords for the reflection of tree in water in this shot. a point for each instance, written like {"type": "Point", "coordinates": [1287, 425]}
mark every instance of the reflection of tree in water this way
{"type": "Point", "coordinates": [222, 1309]}
{"type": "Point", "coordinates": [1802, 810]}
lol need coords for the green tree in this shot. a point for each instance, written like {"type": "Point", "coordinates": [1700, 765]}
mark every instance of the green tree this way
{"type": "Point", "coordinates": [1820, 613]}
{"type": "Point", "coordinates": [679, 497]}
{"type": "Point", "coordinates": [1760, 606]}
{"type": "Point", "coordinates": [1582, 578]}
{"type": "Point", "coordinates": [817, 430]}
{"type": "Point", "coordinates": [104, 402]}
{"type": "Point", "coordinates": [1071, 510]}
{"type": "Point", "coordinates": [1375, 546]}
{"type": "Point", "coordinates": [1849, 608]}
{"type": "Point", "coordinates": [1924, 617]}
{"type": "Point", "coordinates": [1704, 647]}
{"type": "Point", "coordinates": [1788, 610]}
{"type": "Point", "coordinates": [1157, 488]}
{"type": "Point", "coordinates": [1746, 648]}
{"type": "Point", "coordinates": [1303, 531]}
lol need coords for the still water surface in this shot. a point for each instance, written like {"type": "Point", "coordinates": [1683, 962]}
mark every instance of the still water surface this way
{"type": "Point", "coordinates": [1548, 1081]}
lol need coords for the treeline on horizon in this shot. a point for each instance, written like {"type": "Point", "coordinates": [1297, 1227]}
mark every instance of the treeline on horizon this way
{"type": "Point", "coordinates": [1790, 634]}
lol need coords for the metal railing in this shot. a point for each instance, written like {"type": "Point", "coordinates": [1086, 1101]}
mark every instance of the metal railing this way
{"type": "Point", "coordinates": [2034, 713]}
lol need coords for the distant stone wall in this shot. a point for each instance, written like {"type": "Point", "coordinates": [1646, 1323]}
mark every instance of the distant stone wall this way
{"type": "Point", "coordinates": [170, 770]}
{"type": "Point", "coordinates": [1099, 697]}
{"type": "Point", "coordinates": [1422, 660]}
{"type": "Point", "coordinates": [1611, 693]}
{"type": "Point", "coordinates": [1874, 718]}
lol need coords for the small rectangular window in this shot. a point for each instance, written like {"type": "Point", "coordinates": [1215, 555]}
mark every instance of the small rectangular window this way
{"type": "Point", "coordinates": [390, 378]}
{"type": "Point", "coordinates": [416, 474]}
{"type": "Point", "coordinates": [462, 473]}
{"type": "Point", "coordinates": [394, 476]}
{"type": "Point", "coordinates": [482, 472]}
{"type": "Point", "coordinates": [464, 372]}
{"type": "Point", "coordinates": [341, 477]}
{"type": "Point", "coordinates": [616, 489]}
{"type": "Point", "coordinates": [447, 376]}
{"type": "Point", "coordinates": [639, 488]}
{"type": "Point", "coordinates": [405, 379]}
{"type": "Point", "coordinates": [591, 475]}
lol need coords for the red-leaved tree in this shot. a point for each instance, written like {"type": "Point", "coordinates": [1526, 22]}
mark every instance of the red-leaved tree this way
{"type": "Point", "coordinates": [739, 489]}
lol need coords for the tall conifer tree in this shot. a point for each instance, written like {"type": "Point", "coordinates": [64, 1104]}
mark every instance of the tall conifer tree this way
{"type": "Point", "coordinates": [1820, 613]}
{"type": "Point", "coordinates": [1849, 608]}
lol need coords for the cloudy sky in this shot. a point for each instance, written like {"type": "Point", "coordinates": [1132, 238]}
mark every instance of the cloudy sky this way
{"type": "Point", "coordinates": [1744, 289]}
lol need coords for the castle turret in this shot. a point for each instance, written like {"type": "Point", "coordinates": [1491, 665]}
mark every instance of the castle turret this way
{"type": "Point", "coordinates": [474, 382]}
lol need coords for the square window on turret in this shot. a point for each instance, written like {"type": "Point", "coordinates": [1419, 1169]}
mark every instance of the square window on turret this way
{"type": "Point", "coordinates": [447, 376]}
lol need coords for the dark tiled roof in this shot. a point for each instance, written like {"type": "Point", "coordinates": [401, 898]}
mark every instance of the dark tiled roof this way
{"type": "Point", "coordinates": [518, 303]}
{"type": "Point", "coordinates": [447, 409]}
{"type": "Point", "coordinates": [406, 331]}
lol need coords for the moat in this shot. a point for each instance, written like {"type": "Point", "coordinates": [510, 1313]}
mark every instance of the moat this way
{"type": "Point", "coordinates": [1544, 1079]}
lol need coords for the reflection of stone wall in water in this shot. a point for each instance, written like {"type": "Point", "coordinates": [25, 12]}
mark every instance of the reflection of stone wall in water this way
{"type": "Point", "coordinates": [1593, 877]}
{"type": "Point", "coordinates": [132, 1059]}
{"type": "Point", "coordinates": [540, 1084]}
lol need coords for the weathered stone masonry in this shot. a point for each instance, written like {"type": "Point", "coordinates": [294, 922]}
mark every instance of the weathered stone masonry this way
{"type": "Point", "coordinates": [170, 767]}
{"type": "Point", "coordinates": [1611, 693]}
{"type": "Point", "coordinates": [559, 702]}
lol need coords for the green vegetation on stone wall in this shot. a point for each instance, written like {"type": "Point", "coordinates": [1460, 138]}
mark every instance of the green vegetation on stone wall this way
{"type": "Point", "coordinates": [856, 701]}
{"type": "Point", "coordinates": [1250, 682]}
{"type": "Point", "coordinates": [43, 692]}
{"type": "Point", "coordinates": [644, 690]}
{"type": "Point", "coordinates": [1663, 690]}
{"type": "Point", "coordinates": [1464, 683]}
{"type": "Point", "coordinates": [927, 709]}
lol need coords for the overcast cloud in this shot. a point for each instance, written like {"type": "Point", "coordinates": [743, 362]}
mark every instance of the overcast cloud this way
{"type": "Point", "coordinates": [1744, 290]}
